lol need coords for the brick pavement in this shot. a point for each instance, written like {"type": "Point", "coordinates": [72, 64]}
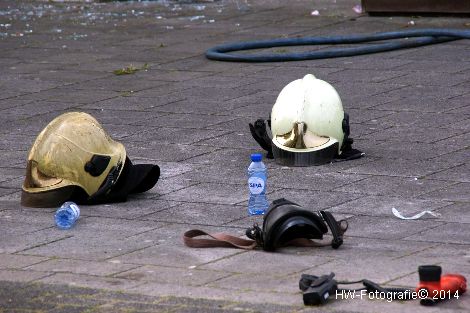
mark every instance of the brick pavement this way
{"type": "Point", "coordinates": [409, 109]}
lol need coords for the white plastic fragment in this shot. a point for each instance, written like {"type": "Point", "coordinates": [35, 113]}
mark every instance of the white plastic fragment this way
{"type": "Point", "coordinates": [315, 13]}
{"type": "Point", "coordinates": [414, 217]}
{"type": "Point", "coordinates": [357, 8]}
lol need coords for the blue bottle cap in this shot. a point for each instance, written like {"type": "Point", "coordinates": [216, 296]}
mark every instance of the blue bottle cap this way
{"type": "Point", "coordinates": [256, 157]}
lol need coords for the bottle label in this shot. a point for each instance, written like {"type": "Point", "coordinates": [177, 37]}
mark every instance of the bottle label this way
{"type": "Point", "coordinates": [75, 209]}
{"type": "Point", "coordinates": [256, 185]}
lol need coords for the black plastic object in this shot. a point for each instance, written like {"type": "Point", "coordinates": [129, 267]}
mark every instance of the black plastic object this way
{"type": "Point", "coordinates": [421, 37]}
{"type": "Point", "coordinates": [286, 221]}
{"type": "Point", "coordinates": [429, 273]}
{"type": "Point", "coordinates": [317, 290]}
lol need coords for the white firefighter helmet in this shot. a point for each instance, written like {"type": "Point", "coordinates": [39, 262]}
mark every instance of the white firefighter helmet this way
{"type": "Point", "coordinates": [307, 123]}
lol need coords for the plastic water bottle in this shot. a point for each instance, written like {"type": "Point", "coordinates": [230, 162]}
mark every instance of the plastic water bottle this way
{"type": "Point", "coordinates": [257, 204]}
{"type": "Point", "coordinates": [66, 216]}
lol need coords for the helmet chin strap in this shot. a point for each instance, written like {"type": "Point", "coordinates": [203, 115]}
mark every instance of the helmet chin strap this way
{"type": "Point", "coordinates": [284, 216]}
{"type": "Point", "coordinates": [108, 183]}
{"type": "Point", "coordinates": [260, 134]}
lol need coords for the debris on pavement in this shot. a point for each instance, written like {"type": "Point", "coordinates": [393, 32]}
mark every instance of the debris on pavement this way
{"type": "Point", "coordinates": [414, 217]}
{"type": "Point", "coordinates": [130, 69]}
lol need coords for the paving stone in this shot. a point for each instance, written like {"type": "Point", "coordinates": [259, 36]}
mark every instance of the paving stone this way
{"type": "Point", "coordinates": [311, 199]}
{"type": "Point", "coordinates": [448, 233]}
{"type": "Point", "coordinates": [175, 255]}
{"type": "Point", "coordinates": [17, 261]}
{"type": "Point", "coordinates": [382, 206]}
{"type": "Point", "coordinates": [425, 99]}
{"type": "Point", "coordinates": [411, 134]}
{"type": "Point", "coordinates": [132, 101]}
{"type": "Point", "coordinates": [456, 212]}
{"type": "Point", "coordinates": [288, 178]}
{"type": "Point", "coordinates": [89, 281]}
{"type": "Point", "coordinates": [133, 209]}
{"type": "Point", "coordinates": [79, 267]}
{"type": "Point", "coordinates": [409, 153]}
{"type": "Point", "coordinates": [174, 135]}
{"type": "Point", "coordinates": [259, 282]}
{"type": "Point", "coordinates": [240, 139]}
{"type": "Point", "coordinates": [84, 245]}
{"type": "Point", "coordinates": [461, 107]}
{"type": "Point", "coordinates": [165, 152]}
{"type": "Point", "coordinates": [393, 186]}
{"type": "Point", "coordinates": [121, 83]}
{"type": "Point", "coordinates": [456, 192]}
{"type": "Point", "coordinates": [199, 213]}
{"type": "Point", "coordinates": [274, 264]}
{"type": "Point", "coordinates": [70, 95]}
{"type": "Point", "coordinates": [18, 275]}
{"type": "Point", "coordinates": [443, 66]}
{"type": "Point", "coordinates": [404, 169]}
{"type": "Point", "coordinates": [458, 174]}
{"type": "Point", "coordinates": [172, 275]}
{"type": "Point", "coordinates": [14, 196]}
{"type": "Point", "coordinates": [233, 173]}
{"type": "Point", "coordinates": [214, 193]}
{"type": "Point", "coordinates": [188, 121]}
{"type": "Point", "coordinates": [389, 228]}
{"type": "Point", "coordinates": [430, 79]}
{"type": "Point", "coordinates": [195, 105]}
{"type": "Point", "coordinates": [425, 119]}
{"type": "Point", "coordinates": [219, 294]}
{"type": "Point", "coordinates": [10, 173]}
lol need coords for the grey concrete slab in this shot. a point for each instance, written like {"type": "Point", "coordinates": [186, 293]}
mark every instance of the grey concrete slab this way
{"type": "Point", "coordinates": [88, 246]}
{"type": "Point", "coordinates": [80, 267]}
{"type": "Point", "coordinates": [274, 264]}
{"type": "Point", "coordinates": [455, 192]}
{"type": "Point", "coordinates": [456, 212]}
{"type": "Point", "coordinates": [175, 256]}
{"type": "Point", "coordinates": [168, 275]}
{"type": "Point", "coordinates": [14, 242]}
{"type": "Point", "coordinates": [448, 233]}
{"type": "Point", "coordinates": [382, 205]}
{"type": "Point", "coordinates": [288, 178]}
{"type": "Point", "coordinates": [89, 281]}
{"type": "Point", "coordinates": [214, 193]}
{"type": "Point", "coordinates": [7, 174]}
{"type": "Point", "coordinates": [312, 199]}
{"type": "Point", "coordinates": [458, 173]}
{"type": "Point", "coordinates": [17, 261]}
{"type": "Point", "coordinates": [165, 152]}
{"type": "Point", "coordinates": [132, 210]}
{"type": "Point", "coordinates": [404, 169]}
{"type": "Point", "coordinates": [389, 227]}
{"type": "Point", "coordinates": [393, 186]}
{"type": "Point", "coordinates": [199, 213]}
{"type": "Point", "coordinates": [22, 276]}
{"type": "Point", "coordinates": [189, 121]}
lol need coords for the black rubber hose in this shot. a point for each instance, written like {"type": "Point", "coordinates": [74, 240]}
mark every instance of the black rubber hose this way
{"type": "Point", "coordinates": [421, 37]}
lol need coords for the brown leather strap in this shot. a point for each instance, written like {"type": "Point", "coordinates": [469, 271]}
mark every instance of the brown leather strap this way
{"type": "Point", "coordinates": [228, 241]}
{"type": "Point", "coordinates": [304, 242]}
{"type": "Point", "coordinates": [218, 240]}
